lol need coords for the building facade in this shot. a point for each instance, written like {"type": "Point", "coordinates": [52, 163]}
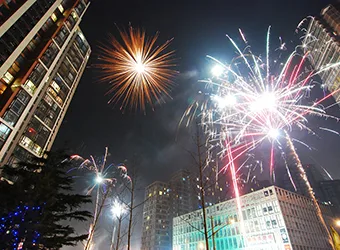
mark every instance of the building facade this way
{"type": "Point", "coordinates": [182, 193]}
{"type": "Point", "coordinates": [164, 201]}
{"type": "Point", "coordinates": [322, 42]}
{"type": "Point", "coordinates": [156, 219]}
{"type": "Point", "coordinates": [43, 56]}
{"type": "Point", "coordinates": [272, 218]}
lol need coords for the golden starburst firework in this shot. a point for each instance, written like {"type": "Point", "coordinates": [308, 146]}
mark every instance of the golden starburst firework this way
{"type": "Point", "coordinates": [139, 71]}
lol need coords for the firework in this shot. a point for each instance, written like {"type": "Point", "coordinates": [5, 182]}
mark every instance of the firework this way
{"type": "Point", "coordinates": [251, 101]}
{"type": "Point", "coordinates": [139, 71]}
{"type": "Point", "coordinates": [104, 178]}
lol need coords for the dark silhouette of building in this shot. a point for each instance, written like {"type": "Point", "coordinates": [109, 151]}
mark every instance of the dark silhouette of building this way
{"type": "Point", "coordinates": [330, 193]}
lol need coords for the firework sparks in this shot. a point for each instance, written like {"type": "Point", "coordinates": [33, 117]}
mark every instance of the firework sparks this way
{"type": "Point", "coordinates": [257, 100]}
{"type": "Point", "coordinates": [139, 71]}
{"type": "Point", "coordinates": [105, 178]}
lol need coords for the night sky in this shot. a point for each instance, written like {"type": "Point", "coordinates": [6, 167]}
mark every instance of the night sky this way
{"type": "Point", "coordinates": [199, 28]}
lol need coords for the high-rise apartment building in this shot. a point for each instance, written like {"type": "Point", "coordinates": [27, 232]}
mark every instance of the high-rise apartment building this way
{"type": "Point", "coordinates": [273, 218]}
{"type": "Point", "coordinates": [182, 193]}
{"type": "Point", "coordinates": [322, 42]}
{"type": "Point", "coordinates": [43, 54]}
{"type": "Point", "coordinates": [164, 201]}
{"type": "Point", "coordinates": [156, 219]}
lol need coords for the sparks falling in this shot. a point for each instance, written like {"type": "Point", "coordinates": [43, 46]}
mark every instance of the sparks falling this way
{"type": "Point", "coordinates": [104, 178]}
{"type": "Point", "coordinates": [139, 72]}
{"type": "Point", "coordinates": [252, 101]}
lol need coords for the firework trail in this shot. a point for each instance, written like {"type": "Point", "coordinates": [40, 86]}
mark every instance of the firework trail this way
{"type": "Point", "coordinates": [139, 71]}
{"type": "Point", "coordinates": [104, 179]}
{"type": "Point", "coordinates": [254, 101]}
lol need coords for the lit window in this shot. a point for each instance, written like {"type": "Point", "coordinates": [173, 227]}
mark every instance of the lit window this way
{"type": "Point", "coordinates": [61, 8]}
{"type": "Point", "coordinates": [30, 87]}
{"type": "Point", "coordinates": [74, 15]}
{"type": "Point", "coordinates": [55, 86]}
{"type": "Point", "coordinates": [81, 35]}
{"type": "Point", "coordinates": [25, 141]}
{"type": "Point", "coordinates": [54, 17]}
{"type": "Point", "coordinates": [37, 149]}
{"type": "Point", "coordinates": [8, 77]}
{"type": "Point", "coordinates": [160, 192]}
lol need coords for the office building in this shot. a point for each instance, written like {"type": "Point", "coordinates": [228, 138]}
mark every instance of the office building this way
{"type": "Point", "coordinates": [164, 201]}
{"type": "Point", "coordinates": [273, 218]}
{"type": "Point", "coordinates": [322, 42]}
{"type": "Point", "coordinates": [43, 54]}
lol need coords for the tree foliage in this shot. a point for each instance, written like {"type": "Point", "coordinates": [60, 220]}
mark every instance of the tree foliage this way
{"type": "Point", "coordinates": [44, 183]}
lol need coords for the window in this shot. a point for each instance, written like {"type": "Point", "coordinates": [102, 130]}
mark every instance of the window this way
{"type": "Point", "coordinates": [10, 117]}
{"type": "Point", "coordinates": [8, 78]}
{"type": "Point", "coordinates": [50, 54]}
{"type": "Point", "coordinates": [274, 223]}
{"type": "Point", "coordinates": [54, 17]}
{"type": "Point", "coordinates": [23, 97]}
{"type": "Point", "coordinates": [30, 86]}
{"type": "Point", "coordinates": [61, 8]}
{"type": "Point", "coordinates": [61, 36]}
{"type": "Point", "coordinates": [4, 131]}
{"type": "Point", "coordinates": [35, 78]}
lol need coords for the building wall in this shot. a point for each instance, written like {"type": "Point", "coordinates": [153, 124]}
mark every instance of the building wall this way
{"type": "Point", "coordinates": [163, 202]}
{"type": "Point", "coordinates": [41, 68]}
{"type": "Point", "coordinates": [156, 223]}
{"type": "Point", "coordinates": [323, 45]}
{"type": "Point", "coordinates": [271, 220]}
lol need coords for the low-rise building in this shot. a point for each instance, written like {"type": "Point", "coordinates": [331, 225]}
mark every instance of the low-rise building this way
{"type": "Point", "coordinates": [272, 218]}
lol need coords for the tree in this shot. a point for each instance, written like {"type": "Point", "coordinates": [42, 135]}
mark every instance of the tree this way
{"type": "Point", "coordinates": [206, 183]}
{"type": "Point", "coordinates": [43, 183]}
{"type": "Point", "coordinates": [127, 195]}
